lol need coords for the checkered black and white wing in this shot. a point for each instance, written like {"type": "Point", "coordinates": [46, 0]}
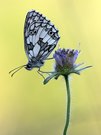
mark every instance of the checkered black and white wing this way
{"type": "Point", "coordinates": [40, 36]}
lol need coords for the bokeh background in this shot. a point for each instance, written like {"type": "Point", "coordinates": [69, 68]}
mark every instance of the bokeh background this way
{"type": "Point", "coordinates": [27, 107]}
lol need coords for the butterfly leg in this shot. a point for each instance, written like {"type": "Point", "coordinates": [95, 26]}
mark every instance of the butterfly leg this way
{"type": "Point", "coordinates": [45, 72]}
{"type": "Point", "coordinates": [49, 58]}
{"type": "Point", "coordinates": [40, 73]}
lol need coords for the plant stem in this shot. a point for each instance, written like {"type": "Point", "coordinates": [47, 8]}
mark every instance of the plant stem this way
{"type": "Point", "coordinates": [67, 105]}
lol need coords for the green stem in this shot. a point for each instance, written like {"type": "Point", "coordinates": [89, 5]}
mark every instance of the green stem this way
{"type": "Point", "coordinates": [68, 105]}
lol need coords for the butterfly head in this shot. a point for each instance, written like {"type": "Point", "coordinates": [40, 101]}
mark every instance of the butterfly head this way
{"type": "Point", "coordinates": [28, 67]}
{"type": "Point", "coordinates": [36, 64]}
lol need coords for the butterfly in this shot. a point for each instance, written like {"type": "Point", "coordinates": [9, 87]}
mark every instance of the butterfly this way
{"type": "Point", "coordinates": [40, 38]}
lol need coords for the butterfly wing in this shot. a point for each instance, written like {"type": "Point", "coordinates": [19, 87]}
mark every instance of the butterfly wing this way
{"type": "Point", "coordinates": [40, 36]}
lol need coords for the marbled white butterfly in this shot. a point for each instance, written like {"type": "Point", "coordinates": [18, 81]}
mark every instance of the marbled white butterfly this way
{"type": "Point", "coordinates": [40, 38]}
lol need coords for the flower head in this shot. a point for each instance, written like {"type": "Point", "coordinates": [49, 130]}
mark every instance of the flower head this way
{"type": "Point", "coordinates": [65, 64]}
{"type": "Point", "coordinates": [65, 58]}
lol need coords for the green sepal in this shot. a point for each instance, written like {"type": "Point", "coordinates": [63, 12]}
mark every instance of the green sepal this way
{"type": "Point", "coordinates": [81, 69]}
{"type": "Point", "coordinates": [50, 77]}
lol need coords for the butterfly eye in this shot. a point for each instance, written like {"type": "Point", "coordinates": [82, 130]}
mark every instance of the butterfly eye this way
{"type": "Point", "coordinates": [28, 66]}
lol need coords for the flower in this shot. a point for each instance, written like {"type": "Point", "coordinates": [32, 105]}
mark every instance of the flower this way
{"type": "Point", "coordinates": [65, 59]}
{"type": "Point", "coordinates": [65, 64]}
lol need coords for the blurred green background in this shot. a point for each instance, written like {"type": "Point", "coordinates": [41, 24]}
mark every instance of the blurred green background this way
{"type": "Point", "coordinates": [27, 107]}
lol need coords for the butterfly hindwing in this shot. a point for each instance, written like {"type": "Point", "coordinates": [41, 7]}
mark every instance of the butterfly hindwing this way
{"type": "Point", "coordinates": [40, 36]}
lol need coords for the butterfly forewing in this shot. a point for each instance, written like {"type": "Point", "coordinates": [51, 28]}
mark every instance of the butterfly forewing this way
{"type": "Point", "coordinates": [40, 36]}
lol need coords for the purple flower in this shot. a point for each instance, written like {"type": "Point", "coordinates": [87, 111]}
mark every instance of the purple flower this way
{"type": "Point", "coordinates": [65, 64]}
{"type": "Point", "coordinates": [65, 58]}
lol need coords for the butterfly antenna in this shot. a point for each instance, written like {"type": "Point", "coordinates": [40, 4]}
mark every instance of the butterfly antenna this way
{"type": "Point", "coordinates": [16, 70]}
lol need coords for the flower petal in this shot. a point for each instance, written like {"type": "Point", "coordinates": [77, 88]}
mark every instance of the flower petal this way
{"type": "Point", "coordinates": [58, 59]}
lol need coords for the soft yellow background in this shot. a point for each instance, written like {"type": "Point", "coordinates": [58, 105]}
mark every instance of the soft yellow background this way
{"type": "Point", "coordinates": [27, 107]}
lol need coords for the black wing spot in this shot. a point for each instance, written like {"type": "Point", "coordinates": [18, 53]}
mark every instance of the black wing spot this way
{"type": "Point", "coordinates": [30, 46]}
{"type": "Point", "coordinates": [50, 33]}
